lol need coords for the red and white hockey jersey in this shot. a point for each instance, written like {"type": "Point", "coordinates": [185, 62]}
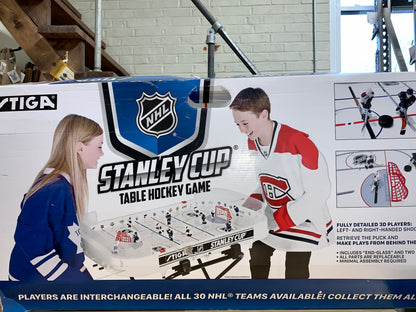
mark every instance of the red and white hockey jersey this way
{"type": "Point", "coordinates": [294, 182]}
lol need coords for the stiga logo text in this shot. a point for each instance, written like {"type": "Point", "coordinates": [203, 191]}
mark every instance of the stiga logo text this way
{"type": "Point", "coordinates": [28, 102]}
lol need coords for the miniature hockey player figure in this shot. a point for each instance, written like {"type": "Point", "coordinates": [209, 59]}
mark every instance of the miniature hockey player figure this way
{"type": "Point", "coordinates": [237, 210]}
{"type": "Point", "coordinates": [293, 181]}
{"type": "Point", "coordinates": [47, 237]}
{"type": "Point", "coordinates": [360, 159]}
{"type": "Point", "coordinates": [228, 226]}
{"type": "Point", "coordinates": [168, 218]}
{"type": "Point", "coordinates": [204, 218]}
{"type": "Point", "coordinates": [376, 181]}
{"type": "Point", "coordinates": [135, 237]}
{"type": "Point", "coordinates": [188, 232]}
{"type": "Point", "coordinates": [369, 162]}
{"type": "Point", "coordinates": [406, 100]}
{"type": "Point", "coordinates": [365, 101]}
{"type": "Point", "coordinates": [115, 247]}
{"type": "Point", "coordinates": [159, 228]}
{"type": "Point", "coordinates": [374, 187]}
{"type": "Point", "coordinates": [170, 233]}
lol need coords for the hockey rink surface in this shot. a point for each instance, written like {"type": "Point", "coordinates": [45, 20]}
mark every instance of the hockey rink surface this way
{"type": "Point", "coordinates": [146, 241]}
{"type": "Point", "coordinates": [380, 178]}
{"type": "Point", "coordinates": [348, 121]}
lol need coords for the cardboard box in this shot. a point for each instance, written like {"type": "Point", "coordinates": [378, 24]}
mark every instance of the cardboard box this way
{"type": "Point", "coordinates": [169, 224]}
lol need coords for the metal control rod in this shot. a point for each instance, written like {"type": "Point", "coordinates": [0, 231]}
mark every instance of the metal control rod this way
{"type": "Point", "coordinates": [211, 49]}
{"type": "Point", "coordinates": [97, 48]}
{"type": "Point", "coordinates": [219, 29]}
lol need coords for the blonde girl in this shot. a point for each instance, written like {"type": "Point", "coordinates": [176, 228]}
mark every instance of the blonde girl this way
{"type": "Point", "coordinates": [47, 236]}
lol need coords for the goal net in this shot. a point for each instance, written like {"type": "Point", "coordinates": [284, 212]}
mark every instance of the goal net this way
{"type": "Point", "coordinates": [397, 182]}
{"type": "Point", "coordinates": [123, 237]}
{"type": "Point", "coordinates": [223, 212]}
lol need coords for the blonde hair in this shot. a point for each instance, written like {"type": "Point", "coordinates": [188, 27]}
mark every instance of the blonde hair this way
{"type": "Point", "coordinates": [65, 159]}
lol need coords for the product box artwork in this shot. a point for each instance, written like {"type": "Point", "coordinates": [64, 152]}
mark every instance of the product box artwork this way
{"type": "Point", "coordinates": [174, 187]}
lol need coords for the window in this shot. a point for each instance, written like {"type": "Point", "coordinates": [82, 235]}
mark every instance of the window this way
{"type": "Point", "coordinates": [358, 50]}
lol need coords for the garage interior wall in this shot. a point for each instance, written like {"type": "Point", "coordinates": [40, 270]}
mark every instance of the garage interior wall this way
{"type": "Point", "coordinates": [168, 37]}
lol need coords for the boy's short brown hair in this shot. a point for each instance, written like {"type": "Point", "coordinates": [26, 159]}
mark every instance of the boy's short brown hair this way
{"type": "Point", "coordinates": [251, 99]}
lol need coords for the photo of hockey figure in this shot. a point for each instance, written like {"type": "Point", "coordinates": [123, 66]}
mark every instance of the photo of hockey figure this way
{"type": "Point", "coordinates": [383, 178]}
{"type": "Point", "coordinates": [375, 110]}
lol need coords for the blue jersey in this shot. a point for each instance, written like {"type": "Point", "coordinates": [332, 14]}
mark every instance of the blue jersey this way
{"type": "Point", "coordinates": [47, 237]}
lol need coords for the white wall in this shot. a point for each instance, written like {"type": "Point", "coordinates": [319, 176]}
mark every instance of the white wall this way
{"type": "Point", "coordinates": [168, 36]}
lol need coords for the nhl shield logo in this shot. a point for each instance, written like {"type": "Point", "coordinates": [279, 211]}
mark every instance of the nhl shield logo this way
{"type": "Point", "coordinates": [148, 118]}
{"type": "Point", "coordinates": [156, 115]}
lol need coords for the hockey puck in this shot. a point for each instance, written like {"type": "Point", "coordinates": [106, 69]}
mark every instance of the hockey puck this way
{"type": "Point", "coordinates": [385, 121]}
{"type": "Point", "coordinates": [407, 168]}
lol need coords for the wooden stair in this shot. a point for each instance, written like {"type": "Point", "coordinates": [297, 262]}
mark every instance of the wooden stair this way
{"type": "Point", "coordinates": [47, 29]}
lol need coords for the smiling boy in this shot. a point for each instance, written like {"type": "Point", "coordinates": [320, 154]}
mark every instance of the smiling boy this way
{"type": "Point", "coordinates": [293, 182]}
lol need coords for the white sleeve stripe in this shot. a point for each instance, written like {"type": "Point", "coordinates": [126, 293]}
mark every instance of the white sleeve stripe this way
{"type": "Point", "coordinates": [36, 260]}
{"type": "Point", "coordinates": [47, 267]}
{"type": "Point", "coordinates": [58, 272]}
{"type": "Point", "coordinates": [83, 268]}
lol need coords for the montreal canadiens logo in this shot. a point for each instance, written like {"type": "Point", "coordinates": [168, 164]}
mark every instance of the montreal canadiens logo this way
{"type": "Point", "coordinates": [276, 190]}
{"type": "Point", "coordinates": [157, 115]}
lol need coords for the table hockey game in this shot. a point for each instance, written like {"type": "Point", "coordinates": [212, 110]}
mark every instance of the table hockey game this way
{"type": "Point", "coordinates": [169, 238]}
{"type": "Point", "coordinates": [376, 178]}
{"type": "Point", "coordinates": [389, 115]}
